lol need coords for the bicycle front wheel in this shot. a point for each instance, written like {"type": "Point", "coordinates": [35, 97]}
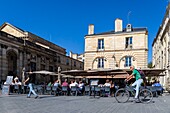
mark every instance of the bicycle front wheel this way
{"type": "Point", "coordinates": [122, 95]}
{"type": "Point", "coordinates": [145, 96]}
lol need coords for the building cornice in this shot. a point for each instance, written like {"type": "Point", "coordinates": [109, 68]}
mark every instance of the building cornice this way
{"type": "Point", "coordinates": [14, 27]}
{"type": "Point", "coordinates": [162, 24]}
{"type": "Point", "coordinates": [115, 50]}
{"type": "Point", "coordinates": [110, 33]}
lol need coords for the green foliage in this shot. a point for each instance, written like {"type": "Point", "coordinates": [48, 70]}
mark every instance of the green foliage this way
{"type": "Point", "coordinates": [150, 65]}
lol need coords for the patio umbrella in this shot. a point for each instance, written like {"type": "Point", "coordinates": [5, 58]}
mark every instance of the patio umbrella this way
{"type": "Point", "coordinates": [96, 73]}
{"type": "Point", "coordinates": [45, 72]}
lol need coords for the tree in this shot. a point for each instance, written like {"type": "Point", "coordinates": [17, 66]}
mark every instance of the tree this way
{"type": "Point", "coordinates": [150, 65]}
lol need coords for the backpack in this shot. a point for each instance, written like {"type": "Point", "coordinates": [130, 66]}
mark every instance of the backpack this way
{"type": "Point", "coordinates": [142, 74]}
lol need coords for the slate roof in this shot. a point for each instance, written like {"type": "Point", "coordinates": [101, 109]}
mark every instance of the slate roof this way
{"type": "Point", "coordinates": [124, 31]}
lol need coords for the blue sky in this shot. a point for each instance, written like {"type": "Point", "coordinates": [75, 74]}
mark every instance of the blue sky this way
{"type": "Point", "coordinates": [65, 22]}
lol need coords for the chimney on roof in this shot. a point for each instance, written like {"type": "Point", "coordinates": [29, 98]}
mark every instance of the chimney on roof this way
{"type": "Point", "coordinates": [91, 29]}
{"type": "Point", "coordinates": [118, 25]}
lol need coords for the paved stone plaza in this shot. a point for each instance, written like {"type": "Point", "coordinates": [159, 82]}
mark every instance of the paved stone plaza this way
{"type": "Point", "coordinates": [79, 104]}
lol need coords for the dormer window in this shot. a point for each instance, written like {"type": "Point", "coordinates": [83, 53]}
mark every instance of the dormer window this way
{"type": "Point", "coordinates": [129, 28]}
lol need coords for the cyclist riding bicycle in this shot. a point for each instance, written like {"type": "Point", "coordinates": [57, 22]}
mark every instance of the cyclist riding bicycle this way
{"type": "Point", "coordinates": [138, 81]}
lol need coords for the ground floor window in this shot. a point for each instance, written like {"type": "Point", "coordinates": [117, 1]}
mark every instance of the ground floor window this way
{"type": "Point", "coordinates": [128, 61]}
{"type": "Point", "coordinates": [100, 62]}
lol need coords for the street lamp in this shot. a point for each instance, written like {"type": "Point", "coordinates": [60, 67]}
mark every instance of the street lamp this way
{"type": "Point", "coordinates": [23, 75]}
{"type": "Point", "coordinates": [59, 74]}
{"type": "Point", "coordinates": [24, 56]}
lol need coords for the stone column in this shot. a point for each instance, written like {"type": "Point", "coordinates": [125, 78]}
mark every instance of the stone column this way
{"type": "Point", "coordinates": [38, 62]}
{"type": "Point", "coordinates": [1, 66]}
{"type": "Point", "coordinates": [18, 71]}
{"type": "Point", "coordinates": [21, 64]}
{"type": "Point", "coordinates": [4, 62]}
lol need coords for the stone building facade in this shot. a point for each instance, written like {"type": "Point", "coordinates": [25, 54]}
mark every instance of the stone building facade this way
{"type": "Point", "coordinates": [79, 57]}
{"type": "Point", "coordinates": [161, 48]}
{"type": "Point", "coordinates": [120, 48]}
{"type": "Point", "coordinates": [21, 49]}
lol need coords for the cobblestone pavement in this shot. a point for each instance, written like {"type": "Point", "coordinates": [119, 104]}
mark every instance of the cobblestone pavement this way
{"type": "Point", "coordinates": [79, 104]}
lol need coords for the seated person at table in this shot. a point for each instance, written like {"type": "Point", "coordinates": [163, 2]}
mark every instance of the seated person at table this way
{"type": "Point", "coordinates": [81, 86]}
{"type": "Point", "coordinates": [49, 84]}
{"type": "Point", "coordinates": [65, 83]}
{"type": "Point", "coordinates": [16, 78]}
{"type": "Point", "coordinates": [73, 83]}
{"type": "Point", "coordinates": [107, 83]}
{"type": "Point", "coordinates": [157, 84]}
{"type": "Point", "coordinates": [17, 84]}
{"type": "Point", "coordinates": [56, 83]}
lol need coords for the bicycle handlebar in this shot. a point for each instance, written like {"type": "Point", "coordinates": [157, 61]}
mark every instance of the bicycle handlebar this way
{"type": "Point", "coordinates": [125, 82]}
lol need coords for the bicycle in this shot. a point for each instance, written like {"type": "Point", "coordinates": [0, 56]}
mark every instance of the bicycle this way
{"type": "Point", "coordinates": [122, 95]}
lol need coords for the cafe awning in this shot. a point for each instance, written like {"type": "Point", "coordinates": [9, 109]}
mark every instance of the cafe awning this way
{"type": "Point", "coordinates": [97, 73]}
{"type": "Point", "coordinates": [110, 73]}
{"type": "Point", "coordinates": [150, 71]}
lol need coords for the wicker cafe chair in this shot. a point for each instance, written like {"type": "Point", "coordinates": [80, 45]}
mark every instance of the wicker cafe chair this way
{"type": "Point", "coordinates": [153, 90]}
{"type": "Point", "coordinates": [38, 89]}
{"type": "Point", "coordinates": [159, 90]}
{"type": "Point", "coordinates": [95, 90]}
{"type": "Point", "coordinates": [48, 89]}
{"type": "Point", "coordinates": [74, 90]}
{"type": "Point", "coordinates": [56, 90]}
{"type": "Point", "coordinates": [64, 90]}
{"type": "Point", "coordinates": [107, 90]}
{"type": "Point", "coordinates": [87, 90]}
{"type": "Point", "coordinates": [17, 89]}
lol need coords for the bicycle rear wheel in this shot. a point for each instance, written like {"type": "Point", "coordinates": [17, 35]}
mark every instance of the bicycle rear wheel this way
{"type": "Point", "coordinates": [122, 95]}
{"type": "Point", "coordinates": [145, 96]}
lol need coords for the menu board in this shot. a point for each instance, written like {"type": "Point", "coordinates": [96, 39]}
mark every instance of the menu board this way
{"type": "Point", "coordinates": [94, 82]}
{"type": "Point", "coordinates": [5, 89]}
{"type": "Point", "coordinates": [9, 79]}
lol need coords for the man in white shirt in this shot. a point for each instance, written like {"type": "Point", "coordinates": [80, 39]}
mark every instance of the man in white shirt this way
{"type": "Point", "coordinates": [17, 85]}
{"type": "Point", "coordinates": [107, 83]}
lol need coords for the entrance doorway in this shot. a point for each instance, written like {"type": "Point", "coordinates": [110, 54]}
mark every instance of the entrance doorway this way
{"type": "Point", "coordinates": [12, 63]}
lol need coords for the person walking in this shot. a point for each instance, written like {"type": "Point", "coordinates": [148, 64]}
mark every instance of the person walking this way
{"type": "Point", "coordinates": [30, 81]}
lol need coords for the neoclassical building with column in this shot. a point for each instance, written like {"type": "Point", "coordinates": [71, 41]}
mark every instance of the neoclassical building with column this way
{"type": "Point", "coordinates": [119, 48]}
{"type": "Point", "coordinates": [161, 48]}
{"type": "Point", "coordinates": [22, 49]}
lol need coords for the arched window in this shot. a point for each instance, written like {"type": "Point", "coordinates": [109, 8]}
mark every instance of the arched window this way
{"type": "Point", "coordinates": [100, 63]}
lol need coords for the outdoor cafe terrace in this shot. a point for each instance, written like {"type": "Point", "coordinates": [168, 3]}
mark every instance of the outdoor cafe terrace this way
{"type": "Point", "coordinates": [88, 89]}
